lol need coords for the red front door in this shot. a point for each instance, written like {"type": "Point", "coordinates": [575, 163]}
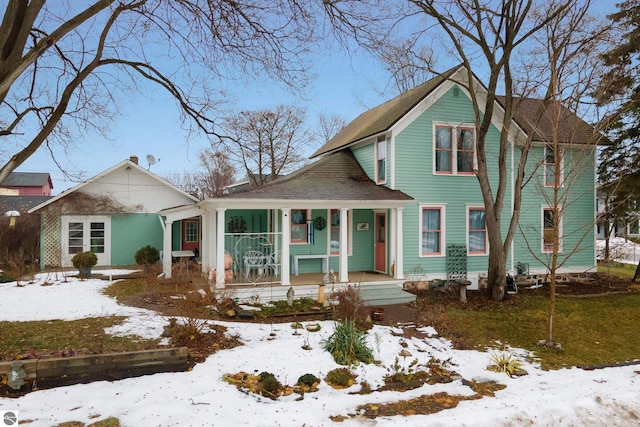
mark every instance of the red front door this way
{"type": "Point", "coordinates": [191, 234]}
{"type": "Point", "coordinates": [380, 263]}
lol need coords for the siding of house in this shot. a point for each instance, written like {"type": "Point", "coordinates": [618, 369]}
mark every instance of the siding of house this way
{"type": "Point", "coordinates": [579, 210]}
{"type": "Point", "coordinates": [131, 232]}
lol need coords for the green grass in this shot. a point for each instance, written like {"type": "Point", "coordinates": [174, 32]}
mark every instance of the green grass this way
{"type": "Point", "coordinates": [618, 269]}
{"type": "Point", "coordinates": [84, 336]}
{"type": "Point", "coordinates": [592, 331]}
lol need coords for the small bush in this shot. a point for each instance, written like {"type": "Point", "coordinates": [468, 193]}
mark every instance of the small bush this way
{"type": "Point", "coordinates": [348, 344]}
{"type": "Point", "coordinates": [84, 259]}
{"type": "Point", "coordinates": [270, 385]}
{"type": "Point", "coordinates": [308, 379]}
{"type": "Point", "coordinates": [147, 255]}
{"type": "Point", "coordinates": [505, 362]}
{"type": "Point", "coordinates": [349, 302]}
{"type": "Point", "coordinates": [341, 377]}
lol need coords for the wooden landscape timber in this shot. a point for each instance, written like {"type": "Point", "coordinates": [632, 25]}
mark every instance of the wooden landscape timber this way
{"type": "Point", "coordinates": [57, 371]}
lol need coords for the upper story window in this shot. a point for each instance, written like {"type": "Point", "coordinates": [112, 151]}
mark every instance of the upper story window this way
{"type": "Point", "coordinates": [299, 227]}
{"type": "Point", "coordinates": [431, 233]}
{"type": "Point", "coordinates": [454, 150]}
{"type": "Point", "coordinates": [477, 231]}
{"type": "Point", "coordinates": [381, 160]}
{"type": "Point", "coordinates": [551, 156]}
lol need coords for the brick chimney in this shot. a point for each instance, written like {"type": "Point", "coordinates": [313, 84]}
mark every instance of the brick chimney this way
{"type": "Point", "coordinates": [134, 159]}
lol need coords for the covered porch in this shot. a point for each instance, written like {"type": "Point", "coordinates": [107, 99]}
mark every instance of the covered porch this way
{"type": "Point", "coordinates": [328, 218]}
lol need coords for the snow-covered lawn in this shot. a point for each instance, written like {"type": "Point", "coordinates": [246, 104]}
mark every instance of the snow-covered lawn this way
{"type": "Point", "coordinates": [567, 397]}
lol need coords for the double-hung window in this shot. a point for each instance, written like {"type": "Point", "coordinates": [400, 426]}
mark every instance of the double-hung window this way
{"type": "Point", "coordinates": [477, 227]}
{"type": "Point", "coordinates": [454, 150]}
{"type": "Point", "coordinates": [551, 157]}
{"type": "Point", "coordinates": [431, 230]}
{"type": "Point", "coordinates": [551, 224]}
{"type": "Point", "coordinates": [299, 227]}
{"type": "Point", "coordinates": [381, 160]}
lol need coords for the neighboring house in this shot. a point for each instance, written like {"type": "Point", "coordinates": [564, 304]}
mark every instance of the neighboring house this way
{"type": "Point", "coordinates": [27, 184]}
{"type": "Point", "coordinates": [113, 215]}
{"type": "Point", "coordinates": [395, 193]}
{"type": "Point", "coordinates": [620, 229]}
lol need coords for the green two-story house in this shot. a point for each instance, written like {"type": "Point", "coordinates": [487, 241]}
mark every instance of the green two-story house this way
{"type": "Point", "coordinates": [396, 190]}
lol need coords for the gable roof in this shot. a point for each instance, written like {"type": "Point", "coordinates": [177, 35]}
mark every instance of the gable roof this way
{"type": "Point", "coordinates": [27, 179]}
{"type": "Point", "coordinates": [571, 129]}
{"type": "Point", "coordinates": [338, 176]}
{"type": "Point", "coordinates": [127, 163]}
{"type": "Point", "coordinates": [382, 117]}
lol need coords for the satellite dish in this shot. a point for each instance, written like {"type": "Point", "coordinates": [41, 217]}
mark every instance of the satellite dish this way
{"type": "Point", "coordinates": [151, 160]}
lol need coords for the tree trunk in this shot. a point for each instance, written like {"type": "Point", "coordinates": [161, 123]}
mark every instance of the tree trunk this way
{"type": "Point", "coordinates": [497, 273]}
{"type": "Point", "coordinates": [636, 277]}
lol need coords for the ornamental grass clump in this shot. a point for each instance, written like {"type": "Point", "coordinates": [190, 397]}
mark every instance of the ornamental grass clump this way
{"type": "Point", "coordinates": [348, 344]}
{"type": "Point", "coordinates": [505, 362]}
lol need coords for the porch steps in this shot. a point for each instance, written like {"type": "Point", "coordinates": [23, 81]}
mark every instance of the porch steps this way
{"type": "Point", "coordinates": [372, 293]}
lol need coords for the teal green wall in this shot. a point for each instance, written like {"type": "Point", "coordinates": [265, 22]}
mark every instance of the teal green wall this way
{"type": "Point", "coordinates": [414, 176]}
{"type": "Point", "coordinates": [578, 200]}
{"type": "Point", "coordinates": [130, 232]}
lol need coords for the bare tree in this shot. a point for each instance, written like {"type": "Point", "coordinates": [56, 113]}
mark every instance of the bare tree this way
{"type": "Point", "coordinates": [64, 64]}
{"type": "Point", "coordinates": [218, 172]}
{"type": "Point", "coordinates": [267, 143]}
{"type": "Point", "coordinates": [330, 126]}
{"type": "Point", "coordinates": [487, 38]}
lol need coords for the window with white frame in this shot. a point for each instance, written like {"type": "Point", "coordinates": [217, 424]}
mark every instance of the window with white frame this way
{"type": "Point", "coordinates": [477, 229]}
{"type": "Point", "coordinates": [334, 233]}
{"type": "Point", "coordinates": [454, 150]}
{"type": "Point", "coordinates": [550, 159]}
{"type": "Point", "coordinates": [551, 224]}
{"type": "Point", "coordinates": [431, 230]}
{"type": "Point", "coordinates": [299, 226]}
{"type": "Point", "coordinates": [381, 160]}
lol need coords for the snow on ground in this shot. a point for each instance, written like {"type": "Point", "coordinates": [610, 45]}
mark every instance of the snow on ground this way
{"type": "Point", "coordinates": [567, 397]}
{"type": "Point", "coordinates": [620, 249]}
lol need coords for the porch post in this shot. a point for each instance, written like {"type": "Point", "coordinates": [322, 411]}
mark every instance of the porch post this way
{"type": "Point", "coordinates": [166, 248]}
{"type": "Point", "coordinates": [344, 246]}
{"type": "Point", "coordinates": [209, 241]}
{"type": "Point", "coordinates": [285, 273]}
{"type": "Point", "coordinates": [399, 271]}
{"type": "Point", "coordinates": [220, 247]}
{"type": "Point", "coordinates": [205, 243]}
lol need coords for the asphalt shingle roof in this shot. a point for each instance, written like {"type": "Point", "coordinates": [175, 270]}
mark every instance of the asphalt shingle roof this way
{"type": "Point", "coordinates": [338, 176]}
{"type": "Point", "coordinates": [382, 117]}
{"type": "Point", "coordinates": [26, 179]}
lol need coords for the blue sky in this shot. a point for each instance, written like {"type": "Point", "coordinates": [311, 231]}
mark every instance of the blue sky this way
{"type": "Point", "coordinates": [149, 123]}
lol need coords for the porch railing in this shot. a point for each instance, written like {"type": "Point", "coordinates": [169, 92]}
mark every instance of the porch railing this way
{"type": "Point", "coordinates": [256, 256]}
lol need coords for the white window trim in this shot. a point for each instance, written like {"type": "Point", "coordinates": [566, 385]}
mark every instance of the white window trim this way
{"type": "Point", "coordinates": [454, 148]}
{"type": "Point", "coordinates": [443, 228]}
{"type": "Point", "coordinates": [560, 178]}
{"type": "Point", "coordinates": [349, 233]}
{"type": "Point", "coordinates": [486, 233]}
{"type": "Point", "coordinates": [386, 157]}
{"type": "Point", "coordinates": [560, 230]}
{"type": "Point", "coordinates": [291, 241]}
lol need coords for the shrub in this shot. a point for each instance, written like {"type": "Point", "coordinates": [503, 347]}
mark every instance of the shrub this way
{"type": "Point", "coordinates": [270, 385]}
{"type": "Point", "coordinates": [84, 259]}
{"type": "Point", "coordinates": [308, 379]}
{"type": "Point", "coordinates": [147, 255]}
{"type": "Point", "coordinates": [341, 377]}
{"type": "Point", "coordinates": [348, 344]}
{"type": "Point", "coordinates": [349, 302]}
